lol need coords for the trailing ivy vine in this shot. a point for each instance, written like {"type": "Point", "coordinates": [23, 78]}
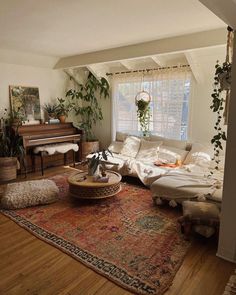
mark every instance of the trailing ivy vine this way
{"type": "Point", "coordinates": [218, 104]}
{"type": "Point", "coordinates": [143, 113]}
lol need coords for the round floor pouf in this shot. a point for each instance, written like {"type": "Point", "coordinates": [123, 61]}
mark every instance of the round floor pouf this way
{"type": "Point", "coordinates": [29, 193]}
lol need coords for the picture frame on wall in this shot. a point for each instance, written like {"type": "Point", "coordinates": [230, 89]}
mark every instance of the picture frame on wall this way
{"type": "Point", "coordinates": [25, 102]}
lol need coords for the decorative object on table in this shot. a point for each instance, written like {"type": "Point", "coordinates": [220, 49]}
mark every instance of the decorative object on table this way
{"type": "Point", "coordinates": [221, 97]}
{"type": "Point", "coordinates": [141, 252]}
{"type": "Point", "coordinates": [51, 110]}
{"type": "Point", "coordinates": [83, 187]}
{"type": "Point", "coordinates": [53, 121]}
{"type": "Point", "coordinates": [97, 162]}
{"type": "Point", "coordinates": [85, 99]}
{"type": "Point", "coordinates": [142, 101]}
{"type": "Point", "coordinates": [11, 145]}
{"type": "Point", "coordinates": [29, 193]}
{"type": "Point", "coordinates": [63, 109]}
{"type": "Point", "coordinates": [25, 101]}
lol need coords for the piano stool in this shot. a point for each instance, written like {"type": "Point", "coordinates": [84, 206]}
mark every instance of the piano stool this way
{"type": "Point", "coordinates": [51, 149]}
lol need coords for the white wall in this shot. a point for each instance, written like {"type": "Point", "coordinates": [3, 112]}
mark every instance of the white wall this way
{"type": "Point", "coordinates": [51, 83]}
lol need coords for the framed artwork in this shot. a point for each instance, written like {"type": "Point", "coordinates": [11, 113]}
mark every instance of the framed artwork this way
{"type": "Point", "coordinates": [25, 101]}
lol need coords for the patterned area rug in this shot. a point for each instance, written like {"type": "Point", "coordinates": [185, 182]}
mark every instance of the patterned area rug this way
{"type": "Point", "coordinates": [230, 288]}
{"type": "Point", "coordinates": [124, 238]}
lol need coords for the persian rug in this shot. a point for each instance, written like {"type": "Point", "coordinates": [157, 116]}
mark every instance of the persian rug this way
{"type": "Point", "coordinates": [124, 238]}
{"type": "Point", "coordinates": [230, 288]}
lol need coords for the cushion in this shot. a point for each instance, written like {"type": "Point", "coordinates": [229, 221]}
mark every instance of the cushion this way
{"type": "Point", "coordinates": [200, 154]}
{"type": "Point", "coordinates": [179, 144]}
{"type": "Point", "coordinates": [29, 193]}
{"type": "Point", "coordinates": [200, 210]}
{"type": "Point", "coordinates": [131, 146]}
{"type": "Point", "coordinates": [121, 136]}
{"type": "Point", "coordinates": [169, 154]}
{"type": "Point", "coordinates": [148, 150]}
{"type": "Point", "coordinates": [116, 147]}
{"type": "Point", "coordinates": [204, 230]}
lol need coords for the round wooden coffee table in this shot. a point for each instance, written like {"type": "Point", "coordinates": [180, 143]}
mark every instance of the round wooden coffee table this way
{"type": "Point", "coordinates": [83, 188]}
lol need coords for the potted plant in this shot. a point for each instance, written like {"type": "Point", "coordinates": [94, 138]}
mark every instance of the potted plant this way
{"type": "Point", "coordinates": [11, 146]}
{"type": "Point", "coordinates": [51, 110]}
{"type": "Point", "coordinates": [85, 101]}
{"type": "Point", "coordinates": [97, 159]}
{"type": "Point", "coordinates": [143, 113]}
{"type": "Point", "coordinates": [63, 109]}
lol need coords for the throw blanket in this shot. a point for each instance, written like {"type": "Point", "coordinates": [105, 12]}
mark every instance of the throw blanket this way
{"type": "Point", "coordinates": [57, 148]}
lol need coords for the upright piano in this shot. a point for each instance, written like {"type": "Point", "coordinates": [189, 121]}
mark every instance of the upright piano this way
{"type": "Point", "coordinates": [35, 135]}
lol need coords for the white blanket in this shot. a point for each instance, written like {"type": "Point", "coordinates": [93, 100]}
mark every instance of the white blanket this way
{"type": "Point", "coordinates": [57, 148]}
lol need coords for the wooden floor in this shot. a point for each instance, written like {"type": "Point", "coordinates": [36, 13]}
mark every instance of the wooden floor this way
{"type": "Point", "coordinates": [29, 266]}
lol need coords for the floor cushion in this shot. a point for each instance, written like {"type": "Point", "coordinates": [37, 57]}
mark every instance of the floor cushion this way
{"type": "Point", "coordinates": [29, 193]}
{"type": "Point", "coordinates": [203, 217]}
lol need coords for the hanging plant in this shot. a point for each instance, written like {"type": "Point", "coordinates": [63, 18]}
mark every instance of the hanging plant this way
{"type": "Point", "coordinates": [220, 98]}
{"type": "Point", "coordinates": [142, 101]}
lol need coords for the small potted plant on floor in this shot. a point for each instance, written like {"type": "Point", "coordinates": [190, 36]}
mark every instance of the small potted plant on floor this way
{"type": "Point", "coordinates": [11, 146]}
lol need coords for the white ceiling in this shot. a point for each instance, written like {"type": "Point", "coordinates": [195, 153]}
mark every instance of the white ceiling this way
{"type": "Point", "coordinates": [68, 27]}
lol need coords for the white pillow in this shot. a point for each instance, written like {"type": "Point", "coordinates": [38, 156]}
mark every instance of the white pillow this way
{"type": "Point", "coordinates": [170, 154]}
{"type": "Point", "coordinates": [148, 150]}
{"type": "Point", "coordinates": [179, 144]}
{"type": "Point", "coordinates": [200, 154]}
{"type": "Point", "coordinates": [120, 136]}
{"type": "Point", "coordinates": [116, 147]}
{"type": "Point", "coordinates": [131, 146]}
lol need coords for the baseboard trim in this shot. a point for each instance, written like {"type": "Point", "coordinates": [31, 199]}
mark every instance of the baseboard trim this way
{"type": "Point", "coordinates": [225, 258]}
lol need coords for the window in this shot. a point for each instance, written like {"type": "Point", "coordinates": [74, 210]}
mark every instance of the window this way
{"type": "Point", "coordinates": [170, 94]}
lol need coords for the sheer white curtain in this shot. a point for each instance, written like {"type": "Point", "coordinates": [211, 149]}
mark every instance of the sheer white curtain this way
{"type": "Point", "coordinates": [170, 94]}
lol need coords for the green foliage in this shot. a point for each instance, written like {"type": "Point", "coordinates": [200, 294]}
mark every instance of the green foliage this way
{"type": "Point", "coordinates": [86, 104]}
{"type": "Point", "coordinates": [63, 107]}
{"type": "Point", "coordinates": [11, 143]}
{"type": "Point", "coordinates": [143, 113]}
{"type": "Point", "coordinates": [96, 160]}
{"type": "Point", "coordinates": [217, 106]}
{"type": "Point", "coordinates": [51, 109]}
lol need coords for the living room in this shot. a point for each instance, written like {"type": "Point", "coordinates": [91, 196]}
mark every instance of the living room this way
{"type": "Point", "coordinates": [117, 147]}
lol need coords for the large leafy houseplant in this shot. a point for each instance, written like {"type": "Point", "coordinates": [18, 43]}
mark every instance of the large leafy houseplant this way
{"type": "Point", "coordinates": [11, 145]}
{"type": "Point", "coordinates": [86, 104]}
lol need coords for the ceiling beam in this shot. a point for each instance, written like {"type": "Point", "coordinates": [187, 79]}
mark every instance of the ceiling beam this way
{"type": "Point", "coordinates": [223, 9]}
{"type": "Point", "coordinates": [159, 61]}
{"type": "Point", "coordinates": [92, 69]}
{"type": "Point", "coordinates": [126, 64]}
{"type": "Point", "coordinates": [167, 45]}
{"type": "Point", "coordinates": [195, 67]}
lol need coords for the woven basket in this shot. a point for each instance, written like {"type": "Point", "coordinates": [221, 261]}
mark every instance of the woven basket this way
{"type": "Point", "coordinates": [8, 169]}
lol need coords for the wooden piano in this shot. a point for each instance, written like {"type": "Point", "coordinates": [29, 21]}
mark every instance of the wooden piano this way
{"type": "Point", "coordinates": [35, 135]}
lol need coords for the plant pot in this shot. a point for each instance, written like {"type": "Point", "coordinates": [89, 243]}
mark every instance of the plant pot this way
{"type": "Point", "coordinates": [62, 118]}
{"type": "Point", "coordinates": [89, 147]}
{"type": "Point", "coordinates": [8, 168]}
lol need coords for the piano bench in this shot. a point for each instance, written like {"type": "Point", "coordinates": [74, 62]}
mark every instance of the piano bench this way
{"type": "Point", "coordinates": [51, 149]}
